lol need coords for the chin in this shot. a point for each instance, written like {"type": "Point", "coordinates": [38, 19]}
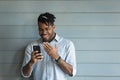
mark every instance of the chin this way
{"type": "Point", "coordinates": [45, 40]}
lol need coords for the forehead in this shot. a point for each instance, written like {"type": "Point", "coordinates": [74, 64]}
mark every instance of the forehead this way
{"type": "Point", "coordinates": [43, 25]}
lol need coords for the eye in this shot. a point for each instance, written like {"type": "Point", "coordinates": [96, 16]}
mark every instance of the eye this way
{"type": "Point", "coordinates": [40, 29]}
{"type": "Point", "coordinates": [47, 29]}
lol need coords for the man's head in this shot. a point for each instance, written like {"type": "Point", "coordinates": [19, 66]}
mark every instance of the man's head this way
{"type": "Point", "coordinates": [46, 26]}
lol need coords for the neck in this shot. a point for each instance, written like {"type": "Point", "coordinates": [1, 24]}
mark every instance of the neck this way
{"type": "Point", "coordinates": [53, 37]}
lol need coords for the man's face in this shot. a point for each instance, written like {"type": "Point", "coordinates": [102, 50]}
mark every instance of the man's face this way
{"type": "Point", "coordinates": [46, 32]}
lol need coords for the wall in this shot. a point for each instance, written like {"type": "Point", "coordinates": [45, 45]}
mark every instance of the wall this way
{"type": "Point", "coordinates": [93, 26]}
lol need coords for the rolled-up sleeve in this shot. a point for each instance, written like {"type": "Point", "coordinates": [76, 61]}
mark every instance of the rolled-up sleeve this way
{"type": "Point", "coordinates": [71, 57]}
{"type": "Point", "coordinates": [27, 58]}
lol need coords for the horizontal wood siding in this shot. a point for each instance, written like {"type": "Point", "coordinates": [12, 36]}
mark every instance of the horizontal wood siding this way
{"type": "Point", "coordinates": [93, 26]}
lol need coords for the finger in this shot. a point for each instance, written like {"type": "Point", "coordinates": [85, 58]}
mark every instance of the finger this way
{"type": "Point", "coordinates": [34, 53]}
{"type": "Point", "coordinates": [45, 45]}
{"type": "Point", "coordinates": [38, 54]}
{"type": "Point", "coordinates": [56, 46]}
{"type": "Point", "coordinates": [48, 46]}
{"type": "Point", "coordinates": [39, 57]}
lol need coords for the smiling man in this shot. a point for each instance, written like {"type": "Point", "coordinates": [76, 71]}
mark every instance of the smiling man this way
{"type": "Point", "coordinates": [56, 59]}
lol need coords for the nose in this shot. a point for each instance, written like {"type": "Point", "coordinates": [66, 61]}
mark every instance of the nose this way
{"type": "Point", "coordinates": [43, 31]}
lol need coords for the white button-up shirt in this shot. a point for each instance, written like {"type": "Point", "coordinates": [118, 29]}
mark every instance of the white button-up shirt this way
{"type": "Point", "coordinates": [48, 69]}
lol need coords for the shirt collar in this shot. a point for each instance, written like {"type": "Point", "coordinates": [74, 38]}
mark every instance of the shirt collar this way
{"type": "Point", "coordinates": [57, 38]}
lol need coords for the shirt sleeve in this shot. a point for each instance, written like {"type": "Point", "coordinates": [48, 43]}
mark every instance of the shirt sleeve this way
{"type": "Point", "coordinates": [27, 58]}
{"type": "Point", "coordinates": [71, 57]}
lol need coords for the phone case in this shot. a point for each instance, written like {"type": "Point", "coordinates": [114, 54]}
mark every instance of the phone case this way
{"type": "Point", "coordinates": [36, 48]}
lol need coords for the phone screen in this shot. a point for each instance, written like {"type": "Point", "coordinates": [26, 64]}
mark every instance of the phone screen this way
{"type": "Point", "coordinates": [36, 48]}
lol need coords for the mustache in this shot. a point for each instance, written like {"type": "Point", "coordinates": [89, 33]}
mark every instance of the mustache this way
{"type": "Point", "coordinates": [43, 34]}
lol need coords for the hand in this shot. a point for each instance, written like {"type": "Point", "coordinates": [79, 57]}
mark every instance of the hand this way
{"type": "Point", "coordinates": [35, 57]}
{"type": "Point", "coordinates": [51, 51]}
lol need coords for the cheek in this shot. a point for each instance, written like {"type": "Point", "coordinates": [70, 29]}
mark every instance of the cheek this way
{"type": "Point", "coordinates": [49, 32]}
{"type": "Point", "coordinates": [40, 33]}
{"type": "Point", "coordinates": [52, 31]}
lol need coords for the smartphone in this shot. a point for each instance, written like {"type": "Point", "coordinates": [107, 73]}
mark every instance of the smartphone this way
{"type": "Point", "coordinates": [36, 48]}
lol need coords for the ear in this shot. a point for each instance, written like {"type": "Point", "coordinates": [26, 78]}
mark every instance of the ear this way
{"type": "Point", "coordinates": [54, 26]}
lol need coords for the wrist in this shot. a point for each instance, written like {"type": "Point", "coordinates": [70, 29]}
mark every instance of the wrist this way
{"type": "Point", "coordinates": [31, 63]}
{"type": "Point", "coordinates": [58, 59]}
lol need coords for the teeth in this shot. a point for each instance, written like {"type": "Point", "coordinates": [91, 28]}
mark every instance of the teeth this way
{"type": "Point", "coordinates": [44, 35]}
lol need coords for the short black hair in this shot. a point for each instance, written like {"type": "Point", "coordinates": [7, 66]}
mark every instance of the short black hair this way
{"type": "Point", "coordinates": [47, 18]}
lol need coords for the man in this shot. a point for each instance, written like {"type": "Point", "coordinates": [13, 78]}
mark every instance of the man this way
{"type": "Point", "coordinates": [56, 59]}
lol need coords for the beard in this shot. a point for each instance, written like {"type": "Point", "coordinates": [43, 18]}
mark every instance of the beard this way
{"type": "Point", "coordinates": [48, 38]}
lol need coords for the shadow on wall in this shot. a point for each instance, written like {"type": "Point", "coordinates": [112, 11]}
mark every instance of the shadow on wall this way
{"type": "Point", "coordinates": [15, 67]}
{"type": "Point", "coordinates": [11, 62]}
